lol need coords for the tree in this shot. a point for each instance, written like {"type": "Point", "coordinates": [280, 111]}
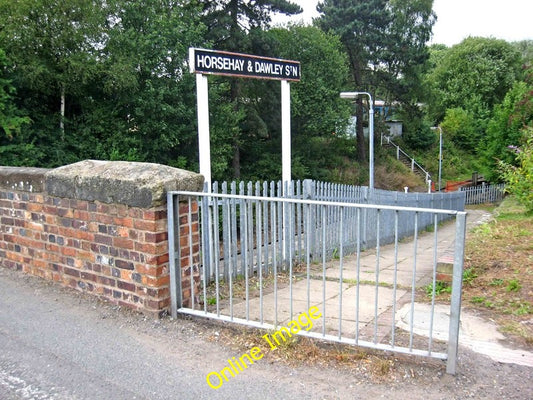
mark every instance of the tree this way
{"type": "Point", "coordinates": [360, 24]}
{"type": "Point", "coordinates": [385, 42]}
{"type": "Point", "coordinates": [474, 75]}
{"type": "Point", "coordinates": [318, 114]}
{"type": "Point", "coordinates": [405, 53]}
{"type": "Point", "coordinates": [460, 127]}
{"type": "Point", "coordinates": [10, 118]}
{"type": "Point", "coordinates": [54, 51]}
{"type": "Point", "coordinates": [147, 90]}
{"type": "Point", "coordinates": [506, 126]}
{"type": "Point", "coordinates": [52, 45]}
{"type": "Point", "coordinates": [118, 66]}
{"type": "Point", "coordinates": [231, 26]}
{"type": "Point", "coordinates": [519, 178]}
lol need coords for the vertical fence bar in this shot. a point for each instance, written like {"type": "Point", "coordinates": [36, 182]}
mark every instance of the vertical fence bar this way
{"type": "Point", "coordinates": [433, 283]}
{"type": "Point", "coordinates": [378, 236]}
{"type": "Point", "coordinates": [457, 284]}
{"type": "Point", "coordinates": [226, 232]}
{"type": "Point", "coordinates": [266, 228]}
{"type": "Point", "coordinates": [324, 269]}
{"type": "Point", "coordinates": [308, 256]}
{"type": "Point", "coordinates": [206, 246]}
{"type": "Point", "coordinates": [259, 233]}
{"type": "Point", "coordinates": [289, 210]}
{"type": "Point", "coordinates": [273, 217]}
{"type": "Point", "coordinates": [216, 253]}
{"type": "Point", "coordinates": [341, 265]}
{"type": "Point", "coordinates": [244, 254]}
{"type": "Point", "coordinates": [191, 253]}
{"type": "Point", "coordinates": [395, 278]}
{"type": "Point", "coordinates": [358, 264]}
{"type": "Point", "coordinates": [231, 257]}
{"type": "Point", "coordinates": [250, 231]}
{"type": "Point", "coordinates": [175, 277]}
{"type": "Point", "coordinates": [413, 284]}
{"type": "Point", "coordinates": [234, 237]}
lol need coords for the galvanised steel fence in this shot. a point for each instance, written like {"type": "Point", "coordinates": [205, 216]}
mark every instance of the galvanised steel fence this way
{"type": "Point", "coordinates": [300, 227]}
{"type": "Point", "coordinates": [266, 258]}
{"type": "Point", "coordinates": [484, 193]}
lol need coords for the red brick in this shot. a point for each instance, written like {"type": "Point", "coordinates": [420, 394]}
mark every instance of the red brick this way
{"type": "Point", "coordinates": [82, 205]}
{"type": "Point", "coordinates": [68, 251]}
{"type": "Point", "coordinates": [88, 276]}
{"type": "Point", "coordinates": [35, 207]}
{"type": "Point", "coordinates": [130, 287]}
{"type": "Point", "coordinates": [156, 281]}
{"type": "Point", "coordinates": [71, 272]}
{"type": "Point", "coordinates": [151, 237]}
{"type": "Point", "coordinates": [123, 243]}
{"type": "Point", "coordinates": [123, 221]}
{"type": "Point", "coordinates": [144, 225]}
{"type": "Point", "coordinates": [104, 219]}
{"type": "Point", "coordinates": [81, 215]}
{"type": "Point", "coordinates": [103, 239]}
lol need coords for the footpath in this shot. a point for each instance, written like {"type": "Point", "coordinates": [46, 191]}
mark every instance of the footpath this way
{"type": "Point", "coordinates": [386, 293]}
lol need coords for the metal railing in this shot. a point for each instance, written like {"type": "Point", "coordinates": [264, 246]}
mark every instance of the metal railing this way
{"type": "Point", "coordinates": [324, 238]}
{"type": "Point", "coordinates": [263, 278]}
{"type": "Point", "coordinates": [414, 164]}
{"type": "Point", "coordinates": [484, 193]}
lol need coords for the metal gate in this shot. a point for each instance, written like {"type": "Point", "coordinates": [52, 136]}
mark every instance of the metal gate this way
{"type": "Point", "coordinates": [263, 262]}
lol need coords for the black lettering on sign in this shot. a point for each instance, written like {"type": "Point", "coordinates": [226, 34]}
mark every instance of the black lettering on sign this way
{"type": "Point", "coordinates": [243, 65]}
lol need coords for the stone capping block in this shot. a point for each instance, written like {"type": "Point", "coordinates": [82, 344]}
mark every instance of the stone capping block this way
{"type": "Point", "coordinates": [135, 184]}
{"type": "Point", "coordinates": [25, 179]}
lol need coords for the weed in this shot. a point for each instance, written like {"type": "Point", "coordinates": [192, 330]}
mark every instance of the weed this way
{"type": "Point", "coordinates": [513, 285]}
{"type": "Point", "coordinates": [440, 287]}
{"type": "Point", "coordinates": [483, 230]}
{"type": "Point", "coordinates": [496, 282]}
{"type": "Point", "coordinates": [478, 299]}
{"type": "Point", "coordinates": [488, 304]}
{"type": "Point", "coordinates": [469, 275]}
{"type": "Point", "coordinates": [212, 301]}
{"type": "Point", "coordinates": [522, 308]}
{"type": "Point", "coordinates": [382, 367]}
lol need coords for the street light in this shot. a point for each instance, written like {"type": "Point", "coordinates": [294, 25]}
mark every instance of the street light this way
{"type": "Point", "coordinates": [354, 95]}
{"type": "Point", "coordinates": [440, 153]}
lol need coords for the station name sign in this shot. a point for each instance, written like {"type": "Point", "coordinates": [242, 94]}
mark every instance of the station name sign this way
{"type": "Point", "coordinates": [214, 62]}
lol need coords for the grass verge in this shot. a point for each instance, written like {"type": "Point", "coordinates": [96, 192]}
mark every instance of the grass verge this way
{"type": "Point", "coordinates": [499, 255]}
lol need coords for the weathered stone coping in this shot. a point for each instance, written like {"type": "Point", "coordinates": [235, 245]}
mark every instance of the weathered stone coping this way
{"type": "Point", "coordinates": [131, 183]}
{"type": "Point", "coordinates": [25, 179]}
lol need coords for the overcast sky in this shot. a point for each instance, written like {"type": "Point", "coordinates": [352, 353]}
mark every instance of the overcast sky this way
{"type": "Point", "coordinates": [457, 19]}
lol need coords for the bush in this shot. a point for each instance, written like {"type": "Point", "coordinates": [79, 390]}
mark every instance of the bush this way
{"type": "Point", "coordinates": [519, 179]}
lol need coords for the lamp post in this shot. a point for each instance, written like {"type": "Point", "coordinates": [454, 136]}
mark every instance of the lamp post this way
{"type": "Point", "coordinates": [354, 95]}
{"type": "Point", "coordinates": [440, 153]}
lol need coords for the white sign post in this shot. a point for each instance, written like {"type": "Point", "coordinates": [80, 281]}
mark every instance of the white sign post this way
{"type": "Point", "coordinates": [204, 144]}
{"type": "Point", "coordinates": [210, 62]}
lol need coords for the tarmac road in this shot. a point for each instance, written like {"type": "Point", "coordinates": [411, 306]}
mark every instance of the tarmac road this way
{"type": "Point", "coordinates": [55, 345]}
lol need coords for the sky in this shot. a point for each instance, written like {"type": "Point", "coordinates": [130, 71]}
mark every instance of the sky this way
{"type": "Point", "coordinates": [457, 19]}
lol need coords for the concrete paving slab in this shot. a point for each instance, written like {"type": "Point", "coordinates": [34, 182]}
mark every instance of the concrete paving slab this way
{"type": "Point", "coordinates": [475, 333]}
{"type": "Point", "coordinates": [393, 262]}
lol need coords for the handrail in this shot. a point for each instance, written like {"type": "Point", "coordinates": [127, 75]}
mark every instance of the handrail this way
{"type": "Point", "coordinates": [411, 159]}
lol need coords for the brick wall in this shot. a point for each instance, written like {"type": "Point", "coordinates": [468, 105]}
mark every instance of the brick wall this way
{"type": "Point", "coordinates": [99, 239]}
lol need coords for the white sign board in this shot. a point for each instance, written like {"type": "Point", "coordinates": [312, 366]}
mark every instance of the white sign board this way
{"type": "Point", "coordinates": [210, 62]}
